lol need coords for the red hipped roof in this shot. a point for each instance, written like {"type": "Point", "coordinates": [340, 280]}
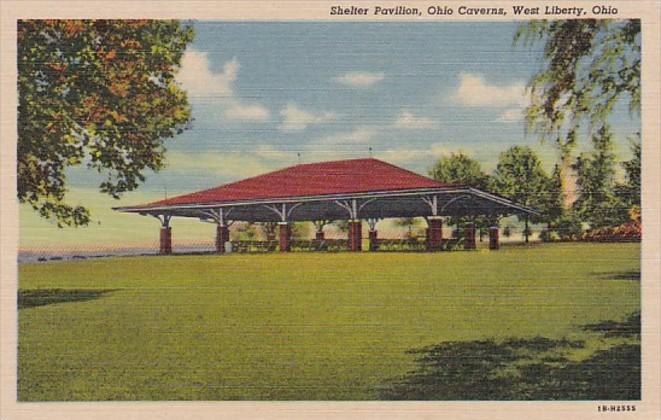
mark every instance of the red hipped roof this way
{"type": "Point", "coordinates": [312, 179]}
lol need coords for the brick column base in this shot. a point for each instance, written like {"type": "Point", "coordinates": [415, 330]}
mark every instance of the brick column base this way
{"type": "Point", "coordinates": [469, 234]}
{"type": "Point", "coordinates": [166, 241]}
{"type": "Point", "coordinates": [222, 236]}
{"type": "Point", "coordinates": [374, 242]}
{"type": "Point", "coordinates": [355, 235]}
{"type": "Point", "coordinates": [434, 234]}
{"type": "Point", "coordinates": [285, 237]}
{"type": "Point", "coordinates": [493, 238]}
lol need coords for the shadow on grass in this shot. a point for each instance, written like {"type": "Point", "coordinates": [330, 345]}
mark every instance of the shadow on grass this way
{"type": "Point", "coordinates": [41, 297]}
{"type": "Point", "coordinates": [633, 275]}
{"type": "Point", "coordinates": [628, 328]}
{"type": "Point", "coordinates": [524, 369]}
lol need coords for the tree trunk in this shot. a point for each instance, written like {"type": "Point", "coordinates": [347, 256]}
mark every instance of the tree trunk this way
{"type": "Point", "coordinates": [525, 231]}
{"type": "Point", "coordinates": [567, 182]}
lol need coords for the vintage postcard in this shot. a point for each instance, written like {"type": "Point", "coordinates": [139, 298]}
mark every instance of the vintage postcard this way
{"type": "Point", "coordinates": [330, 209]}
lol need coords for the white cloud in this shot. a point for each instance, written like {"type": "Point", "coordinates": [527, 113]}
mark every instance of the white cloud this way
{"type": "Point", "coordinates": [407, 121]}
{"type": "Point", "coordinates": [297, 119]}
{"type": "Point", "coordinates": [511, 115]}
{"type": "Point", "coordinates": [360, 79]}
{"type": "Point", "coordinates": [247, 112]}
{"type": "Point", "coordinates": [475, 91]}
{"type": "Point", "coordinates": [197, 78]}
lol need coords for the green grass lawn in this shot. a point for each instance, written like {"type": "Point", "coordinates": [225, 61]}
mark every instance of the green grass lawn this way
{"type": "Point", "coordinates": [314, 326]}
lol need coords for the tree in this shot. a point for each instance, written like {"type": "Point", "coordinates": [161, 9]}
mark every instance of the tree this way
{"type": "Point", "coordinates": [270, 230]}
{"type": "Point", "coordinates": [552, 203]}
{"type": "Point", "coordinates": [597, 203]}
{"type": "Point", "coordinates": [300, 230]}
{"type": "Point", "coordinates": [409, 223]}
{"type": "Point", "coordinates": [99, 93]}
{"type": "Point", "coordinates": [589, 65]}
{"type": "Point", "coordinates": [519, 176]}
{"type": "Point", "coordinates": [245, 231]}
{"type": "Point", "coordinates": [458, 168]}
{"type": "Point", "coordinates": [342, 225]}
{"type": "Point", "coordinates": [629, 191]}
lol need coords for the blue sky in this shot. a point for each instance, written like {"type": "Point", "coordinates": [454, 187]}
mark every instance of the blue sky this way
{"type": "Point", "coordinates": [263, 92]}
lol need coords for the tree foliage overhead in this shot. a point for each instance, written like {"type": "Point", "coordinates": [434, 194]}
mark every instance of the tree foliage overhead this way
{"type": "Point", "coordinates": [99, 93]}
{"type": "Point", "coordinates": [589, 65]}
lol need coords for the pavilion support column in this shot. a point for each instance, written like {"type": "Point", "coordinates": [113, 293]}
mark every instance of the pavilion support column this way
{"type": "Point", "coordinates": [166, 240]}
{"type": "Point", "coordinates": [374, 241]}
{"type": "Point", "coordinates": [285, 236]}
{"type": "Point", "coordinates": [319, 233]}
{"type": "Point", "coordinates": [469, 234]}
{"type": "Point", "coordinates": [435, 233]}
{"type": "Point", "coordinates": [372, 234]}
{"type": "Point", "coordinates": [355, 235]}
{"type": "Point", "coordinates": [494, 242]}
{"type": "Point", "coordinates": [222, 236]}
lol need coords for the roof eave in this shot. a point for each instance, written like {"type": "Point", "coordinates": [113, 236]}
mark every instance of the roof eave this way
{"type": "Point", "coordinates": [328, 197]}
{"type": "Point", "coordinates": [279, 200]}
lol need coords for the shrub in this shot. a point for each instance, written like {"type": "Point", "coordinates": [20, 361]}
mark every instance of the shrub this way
{"type": "Point", "coordinates": [630, 231]}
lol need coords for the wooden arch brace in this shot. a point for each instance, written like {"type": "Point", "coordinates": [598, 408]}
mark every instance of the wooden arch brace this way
{"type": "Point", "coordinates": [218, 215]}
{"type": "Point", "coordinates": [454, 200]}
{"type": "Point", "coordinates": [283, 212]}
{"type": "Point", "coordinates": [163, 218]}
{"type": "Point", "coordinates": [432, 202]}
{"type": "Point", "coordinates": [353, 208]}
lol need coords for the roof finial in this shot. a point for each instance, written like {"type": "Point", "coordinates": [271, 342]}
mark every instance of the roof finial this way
{"type": "Point", "coordinates": [370, 151]}
{"type": "Point", "coordinates": [298, 154]}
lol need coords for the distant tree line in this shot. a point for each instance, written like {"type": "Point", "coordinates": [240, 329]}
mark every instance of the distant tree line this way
{"type": "Point", "coordinates": [599, 199]}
